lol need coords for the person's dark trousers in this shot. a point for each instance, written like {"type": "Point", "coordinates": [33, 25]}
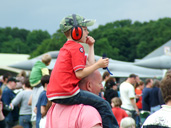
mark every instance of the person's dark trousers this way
{"type": "Point", "coordinates": [134, 116]}
{"type": "Point", "coordinates": [88, 98]}
{"type": "Point", "coordinates": [25, 121]}
{"type": "Point", "coordinates": [11, 124]}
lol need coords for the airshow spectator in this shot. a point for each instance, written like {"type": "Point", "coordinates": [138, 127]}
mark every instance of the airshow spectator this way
{"type": "Point", "coordinates": [138, 92]}
{"type": "Point", "coordinates": [154, 97]}
{"type": "Point", "coordinates": [128, 122]}
{"type": "Point", "coordinates": [162, 117]}
{"type": "Point", "coordinates": [22, 99]}
{"type": "Point", "coordinates": [118, 112]}
{"type": "Point", "coordinates": [2, 117]}
{"type": "Point", "coordinates": [39, 69]}
{"type": "Point", "coordinates": [5, 79]}
{"type": "Point", "coordinates": [78, 116]}
{"type": "Point", "coordinates": [42, 105]}
{"type": "Point", "coordinates": [111, 89]}
{"type": "Point", "coordinates": [127, 93]}
{"type": "Point", "coordinates": [7, 96]}
{"type": "Point", "coordinates": [146, 95]}
{"type": "Point", "coordinates": [105, 77]}
{"type": "Point", "coordinates": [21, 79]}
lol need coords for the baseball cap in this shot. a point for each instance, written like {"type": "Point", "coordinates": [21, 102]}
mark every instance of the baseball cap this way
{"type": "Point", "coordinates": [12, 79]}
{"type": "Point", "coordinates": [67, 22]}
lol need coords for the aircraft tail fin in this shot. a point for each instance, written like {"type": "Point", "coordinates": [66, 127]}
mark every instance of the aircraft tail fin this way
{"type": "Point", "coordinates": [165, 49]}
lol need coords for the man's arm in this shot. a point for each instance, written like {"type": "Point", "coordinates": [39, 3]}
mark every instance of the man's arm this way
{"type": "Point", "coordinates": [134, 105]}
{"type": "Point", "coordinates": [17, 99]}
{"type": "Point", "coordinates": [44, 109]}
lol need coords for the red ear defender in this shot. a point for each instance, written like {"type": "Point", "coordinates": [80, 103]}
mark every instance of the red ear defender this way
{"type": "Point", "coordinates": [76, 33]}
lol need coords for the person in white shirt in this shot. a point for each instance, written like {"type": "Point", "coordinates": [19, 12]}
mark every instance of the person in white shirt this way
{"type": "Point", "coordinates": [127, 93]}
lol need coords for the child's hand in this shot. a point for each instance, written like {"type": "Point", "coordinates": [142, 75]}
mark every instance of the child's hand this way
{"type": "Point", "coordinates": [90, 40]}
{"type": "Point", "coordinates": [103, 62]}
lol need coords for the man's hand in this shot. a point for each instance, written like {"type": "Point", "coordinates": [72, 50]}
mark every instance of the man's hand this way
{"type": "Point", "coordinates": [137, 110]}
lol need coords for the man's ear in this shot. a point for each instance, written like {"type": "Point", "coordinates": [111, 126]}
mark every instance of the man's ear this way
{"type": "Point", "coordinates": [88, 86]}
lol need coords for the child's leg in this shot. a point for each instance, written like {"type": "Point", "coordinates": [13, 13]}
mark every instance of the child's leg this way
{"type": "Point", "coordinates": [88, 98]}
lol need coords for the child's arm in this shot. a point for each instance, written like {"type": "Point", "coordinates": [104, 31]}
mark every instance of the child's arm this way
{"type": "Point", "coordinates": [90, 59]}
{"type": "Point", "coordinates": [101, 63]}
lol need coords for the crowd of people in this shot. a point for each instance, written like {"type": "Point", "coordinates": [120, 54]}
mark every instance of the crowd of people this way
{"type": "Point", "coordinates": [76, 95]}
{"type": "Point", "coordinates": [130, 98]}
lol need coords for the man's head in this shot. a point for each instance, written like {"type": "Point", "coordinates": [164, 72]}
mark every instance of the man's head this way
{"type": "Point", "coordinates": [11, 83]}
{"type": "Point", "coordinates": [137, 79]}
{"type": "Point", "coordinates": [132, 79]}
{"type": "Point", "coordinates": [26, 83]}
{"type": "Point", "coordinates": [149, 83]}
{"type": "Point", "coordinates": [92, 83]}
{"type": "Point", "coordinates": [6, 76]}
{"type": "Point", "coordinates": [74, 25]}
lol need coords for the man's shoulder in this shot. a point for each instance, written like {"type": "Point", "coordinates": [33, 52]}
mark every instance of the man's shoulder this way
{"type": "Point", "coordinates": [78, 108]}
{"type": "Point", "coordinates": [88, 107]}
{"type": "Point", "coordinates": [6, 90]}
{"type": "Point", "coordinates": [43, 94]}
{"type": "Point", "coordinates": [125, 84]}
{"type": "Point", "coordinates": [146, 89]}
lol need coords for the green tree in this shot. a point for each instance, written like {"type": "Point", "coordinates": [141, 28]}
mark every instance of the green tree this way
{"type": "Point", "coordinates": [35, 38]}
{"type": "Point", "coordinates": [17, 46]}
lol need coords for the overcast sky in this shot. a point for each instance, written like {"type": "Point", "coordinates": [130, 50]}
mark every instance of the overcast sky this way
{"type": "Point", "coordinates": [47, 14]}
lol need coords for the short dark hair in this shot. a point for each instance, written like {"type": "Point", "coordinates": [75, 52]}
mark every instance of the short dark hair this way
{"type": "Point", "coordinates": [12, 79]}
{"type": "Point", "coordinates": [132, 76]}
{"type": "Point", "coordinates": [110, 83]}
{"type": "Point", "coordinates": [147, 81]}
{"type": "Point", "coordinates": [45, 80]}
{"type": "Point", "coordinates": [156, 83]}
{"type": "Point", "coordinates": [6, 75]}
{"type": "Point", "coordinates": [27, 83]}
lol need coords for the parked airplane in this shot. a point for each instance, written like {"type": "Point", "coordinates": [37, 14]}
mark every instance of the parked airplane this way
{"type": "Point", "coordinates": [151, 66]}
{"type": "Point", "coordinates": [158, 59]}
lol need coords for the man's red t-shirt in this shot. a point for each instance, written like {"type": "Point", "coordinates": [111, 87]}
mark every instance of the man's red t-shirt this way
{"type": "Point", "coordinates": [63, 82]}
